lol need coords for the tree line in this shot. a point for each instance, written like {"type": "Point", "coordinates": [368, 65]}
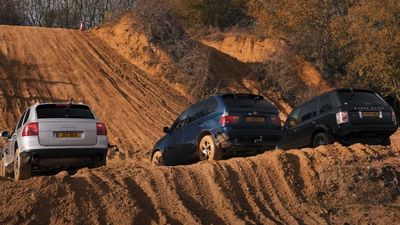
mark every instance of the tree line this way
{"type": "Point", "coordinates": [62, 13]}
{"type": "Point", "coordinates": [353, 43]}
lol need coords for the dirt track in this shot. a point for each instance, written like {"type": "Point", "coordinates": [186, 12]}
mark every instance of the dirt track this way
{"type": "Point", "coordinates": [41, 64]}
{"type": "Point", "coordinates": [333, 184]}
{"type": "Point", "coordinates": [327, 185]}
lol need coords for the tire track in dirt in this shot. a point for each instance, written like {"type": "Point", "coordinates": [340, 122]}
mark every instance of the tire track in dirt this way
{"type": "Point", "coordinates": [39, 63]}
{"type": "Point", "coordinates": [254, 190]}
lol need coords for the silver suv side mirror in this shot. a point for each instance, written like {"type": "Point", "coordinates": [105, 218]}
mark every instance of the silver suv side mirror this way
{"type": "Point", "coordinates": [5, 134]}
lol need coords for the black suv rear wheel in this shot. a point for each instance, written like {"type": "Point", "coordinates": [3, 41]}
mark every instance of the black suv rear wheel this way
{"type": "Point", "coordinates": [386, 142]}
{"type": "Point", "coordinates": [322, 139]}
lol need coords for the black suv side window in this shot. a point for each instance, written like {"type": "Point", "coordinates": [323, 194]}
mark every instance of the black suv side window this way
{"type": "Point", "coordinates": [309, 110]}
{"type": "Point", "coordinates": [294, 118]}
{"type": "Point", "coordinates": [325, 103]}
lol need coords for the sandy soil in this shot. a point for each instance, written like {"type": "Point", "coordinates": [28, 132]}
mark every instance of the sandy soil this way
{"type": "Point", "coordinates": [328, 185]}
{"type": "Point", "coordinates": [197, 70]}
{"type": "Point", "coordinates": [251, 49]}
{"type": "Point", "coordinates": [41, 64]}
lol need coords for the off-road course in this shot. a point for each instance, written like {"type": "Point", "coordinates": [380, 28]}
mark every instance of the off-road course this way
{"type": "Point", "coordinates": [327, 185]}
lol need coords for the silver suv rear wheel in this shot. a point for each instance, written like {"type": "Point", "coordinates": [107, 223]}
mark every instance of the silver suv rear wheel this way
{"type": "Point", "coordinates": [21, 171]}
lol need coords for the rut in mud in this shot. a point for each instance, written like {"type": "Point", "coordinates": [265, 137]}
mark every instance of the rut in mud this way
{"type": "Point", "coordinates": [42, 64]}
{"type": "Point", "coordinates": [333, 184]}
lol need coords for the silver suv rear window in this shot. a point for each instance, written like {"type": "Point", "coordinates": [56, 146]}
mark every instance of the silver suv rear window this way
{"type": "Point", "coordinates": [52, 111]}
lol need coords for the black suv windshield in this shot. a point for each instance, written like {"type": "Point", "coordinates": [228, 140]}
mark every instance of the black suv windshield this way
{"type": "Point", "coordinates": [246, 101]}
{"type": "Point", "coordinates": [358, 97]}
{"type": "Point", "coordinates": [50, 111]}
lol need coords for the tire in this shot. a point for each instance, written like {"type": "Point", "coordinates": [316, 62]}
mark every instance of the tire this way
{"type": "Point", "coordinates": [21, 171]}
{"type": "Point", "coordinates": [321, 139]}
{"type": "Point", "coordinates": [102, 162]}
{"type": "Point", "coordinates": [157, 159]}
{"type": "Point", "coordinates": [3, 171]}
{"type": "Point", "coordinates": [386, 142]}
{"type": "Point", "coordinates": [208, 150]}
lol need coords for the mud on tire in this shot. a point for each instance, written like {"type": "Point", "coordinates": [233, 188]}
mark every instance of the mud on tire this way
{"type": "Point", "coordinates": [208, 150]}
{"type": "Point", "coordinates": [22, 171]}
{"type": "Point", "coordinates": [322, 139]}
{"type": "Point", "coordinates": [157, 159]}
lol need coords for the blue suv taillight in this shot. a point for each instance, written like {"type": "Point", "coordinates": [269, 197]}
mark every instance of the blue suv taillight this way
{"type": "Point", "coordinates": [226, 119]}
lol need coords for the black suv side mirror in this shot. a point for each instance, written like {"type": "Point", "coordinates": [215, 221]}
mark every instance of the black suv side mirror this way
{"type": "Point", "coordinates": [5, 134]}
{"type": "Point", "coordinates": [166, 130]}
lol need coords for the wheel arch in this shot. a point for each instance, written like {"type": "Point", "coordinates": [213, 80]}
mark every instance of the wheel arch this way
{"type": "Point", "coordinates": [320, 129]}
{"type": "Point", "coordinates": [154, 151]}
{"type": "Point", "coordinates": [201, 135]}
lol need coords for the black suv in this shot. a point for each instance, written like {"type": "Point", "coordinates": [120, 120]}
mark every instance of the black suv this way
{"type": "Point", "coordinates": [344, 115]}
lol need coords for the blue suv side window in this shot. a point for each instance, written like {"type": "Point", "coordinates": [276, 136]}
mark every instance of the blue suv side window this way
{"type": "Point", "coordinates": [202, 109]}
{"type": "Point", "coordinates": [180, 122]}
{"type": "Point", "coordinates": [196, 112]}
{"type": "Point", "coordinates": [211, 106]}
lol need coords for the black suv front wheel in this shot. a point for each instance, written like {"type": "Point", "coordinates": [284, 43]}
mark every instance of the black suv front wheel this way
{"type": "Point", "coordinates": [322, 139]}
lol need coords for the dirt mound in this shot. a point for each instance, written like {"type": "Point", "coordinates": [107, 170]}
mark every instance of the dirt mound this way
{"type": "Point", "coordinates": [333, 184]}
{"type": "Point", "coordinates": [39, 64]}
{"type": "Point", "coordinates": [248, 48]}
{"type": "Point", "coordinates": [164, 50]}
{"type": "Point", "coordinates": [150, 39]}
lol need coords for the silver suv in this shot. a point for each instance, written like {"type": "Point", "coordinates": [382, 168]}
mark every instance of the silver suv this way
{"type": "Point", "coordinates": [52, 136]}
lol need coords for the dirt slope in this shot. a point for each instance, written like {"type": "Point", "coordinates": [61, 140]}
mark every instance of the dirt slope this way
{"type": "Point", "coordinates": [39, 64]}
{"type": "Point", "coordinates": [248, 48]}
{"type": "Point", "coordinates": [164, 50]}
{"type": "Point", "coordinates": [327, 185]}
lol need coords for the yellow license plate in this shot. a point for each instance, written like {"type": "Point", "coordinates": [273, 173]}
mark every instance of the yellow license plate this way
{"type": "Point", "coordinates": [370, 114]}
{"type": "Point", "coordinates": [255, 119]}
{"type": "Point", "coordinates": [68, 134]}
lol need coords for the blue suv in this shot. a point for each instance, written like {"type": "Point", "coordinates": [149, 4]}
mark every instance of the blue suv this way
{"type": "Point", "coordinates": [221, 125]}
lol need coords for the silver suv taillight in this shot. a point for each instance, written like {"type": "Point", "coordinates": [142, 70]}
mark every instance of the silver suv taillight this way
{"type": "Point", "coordinates": [394, 117]}
{"type": "Point", "coordinates": [31, 129]}
{"type": "Point", "coordinates": [342, 117]}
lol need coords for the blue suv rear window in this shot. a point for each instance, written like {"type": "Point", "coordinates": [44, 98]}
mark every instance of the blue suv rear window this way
{"type": "Point", "coordinates": [50, 111]}
{"type": "Point", "coordinates": [246, 101]}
